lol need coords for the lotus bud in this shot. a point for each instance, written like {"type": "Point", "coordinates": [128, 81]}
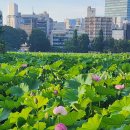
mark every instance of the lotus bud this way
{"type": "Point", "coordinates": [55, 92]}
{"type": "Point", "coordinates": [60, 110]}
{"type": "Point", "coordinates": [60, 126]}
{"type": "Point", "coordinates": [46, 115]}
{"type": "Point", "coordinates": [32, 94]}
{"type": "Point", "coordinates": [35, 100]}
{"type": "Point", "coordinates": [119, 87]}
{"type": "Point", "coordinates": [96, 78]}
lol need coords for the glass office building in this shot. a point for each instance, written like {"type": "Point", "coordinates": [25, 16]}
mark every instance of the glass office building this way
{"type": "Point", "coordinates": [1, 19]}
{"type": "Point", "coordinates": [117, 8]}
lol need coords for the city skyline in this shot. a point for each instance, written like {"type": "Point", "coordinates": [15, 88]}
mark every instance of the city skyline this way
{"type": "Point", "coordinates": [57, 9]}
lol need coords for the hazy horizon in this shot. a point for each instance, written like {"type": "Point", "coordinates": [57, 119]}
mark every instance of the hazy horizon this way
{"type": "Point", "coordinates": [57, 9]}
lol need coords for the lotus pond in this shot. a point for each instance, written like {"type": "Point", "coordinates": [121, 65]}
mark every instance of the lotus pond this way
{"type": "Point", "coordinates": [47, 91]}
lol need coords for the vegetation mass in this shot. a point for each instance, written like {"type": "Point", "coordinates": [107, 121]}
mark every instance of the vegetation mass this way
{"type": "Point", "coordinates": [46, 91]}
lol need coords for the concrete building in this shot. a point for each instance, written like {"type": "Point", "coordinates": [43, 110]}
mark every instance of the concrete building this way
{"type": "Point", "coordinates": [70, 23]}
{"type": "Point", "coordinates": [13, 15]}
{"type": "Point", "coordinates": [36, 21]}
{"type": "Point", "coordinates": [27, 23]}
{"type": "Point", "coordinates": [122, 34]}
{"type": "Point", "coordinates": [117, 8]}
{"type": "Point", "coordinates": [91, 12]}
{"type": "Point", "coordinates": [44, 23]}
{"type": "Point", "coordinates": [118, 23]}
{"type": "Point", "coordinates": [58, 37]}
{"type": "Point", "coordinates": [59, 26]}
{"type": "Point", "coordinates": [1, 19]}
{"type": "Point", "coordinates": [94, 24]}
{"type": "Point", "coordinates": [118, 34]}
{"type": "Point", "coordinates": [78, 24]}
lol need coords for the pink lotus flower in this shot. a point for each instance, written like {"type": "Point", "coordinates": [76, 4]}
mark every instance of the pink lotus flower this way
{"type": "Point", "coordinates": [55, 92]}
{"type": "Point", "coordinates": [96, 78]}
{"type": "Point", "coordinates": [119, 87]}
{"type": "Point", "coordinates": [60, 127]}
{"type": "Point", "coordinates": [60, 110]}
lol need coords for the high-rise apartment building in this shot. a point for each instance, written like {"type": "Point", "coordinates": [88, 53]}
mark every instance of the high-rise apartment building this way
{"type": "Point", "coordinates": [13, 15]}
{"type": "Point", "coordinates": [94, 24]}
{"type": "Point", "coordinates": [117, 8]}
{"type": "Point", "coordinates": [91, 12]}
{"type": "Point", "coordinates": [1, 18]}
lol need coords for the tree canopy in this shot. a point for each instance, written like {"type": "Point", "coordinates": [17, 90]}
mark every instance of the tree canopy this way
{"type": "Point", "coordinates": [2, 43]}
{"type": "Point", "coordinates": [38, 41]}
{"type": "Point", "coordinates": [13, 38]}
{"type": "Point", "coordinates": [77, 43]}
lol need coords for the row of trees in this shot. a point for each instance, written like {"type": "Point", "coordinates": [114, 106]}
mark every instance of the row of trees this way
{"type": "Point", "coordinates": [11, 40]}
{"type": "Point", "coordinates": [14, 38]}
{"type": "Point", "coordinates": [77, 43]}
{"type": "Point", "coordinates": [99, 44]}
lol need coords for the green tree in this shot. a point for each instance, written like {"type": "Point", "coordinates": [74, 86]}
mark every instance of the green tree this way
{"type": "Point", "coordinates": [13, 38]}
{"type": "Point", "coordinates": [75, 38]}
{"type": "Point", "coordinates": [98, 42]}
{"type": "Point", "coordinates": [2, 43]}
{"type": "Point", "coordinates": [38, 41]}
{"type": "Point", "coordinates": [77, 43]}
{"type": "Point", "coordinates": [109, 45]}
{"type": "Point", "coordinates": [83, 43]}
{"type": "Point", "coordinates": [69, 46]}
{"type": "Point", "coordinates": [121, 46]}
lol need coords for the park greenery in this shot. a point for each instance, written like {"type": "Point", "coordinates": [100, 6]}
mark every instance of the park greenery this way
{"type": "Point", "coordinates": [2, 43]}
{"type": "Point", "coordinates": [38, 41]}
{"type": "Point", "coordinates": [51, 91]}
{"type": "Point", "coordinates": [11, 40]}
{"type": "Point", "coordinates": [77, 43]}
{"type": "Point", "coordinates": [99, 44]}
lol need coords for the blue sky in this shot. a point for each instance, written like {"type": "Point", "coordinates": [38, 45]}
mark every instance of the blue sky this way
{"type": "Point", "coordinates": [58, 9]}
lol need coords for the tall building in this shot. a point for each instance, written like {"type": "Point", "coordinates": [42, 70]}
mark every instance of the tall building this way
{"type": "Point", "coordinates": [36, 21]}
{"type": "Point", "coordinates": [94, 24]}
{"type": "Point", "coordinates": [27, 23]}
{"type": "Point", "coordinates": [117, 8]}
{"type": "Point", "coordinates": [13, 15]}
{"type": "Point", "coordinates": [91, 12]}
{"type": "Point", "coordinates": [1, 18]}
{"type": "Point", "coordinates": [44, 23]}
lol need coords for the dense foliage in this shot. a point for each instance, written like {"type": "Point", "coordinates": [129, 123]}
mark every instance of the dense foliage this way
{"type": "Point", "coordinates": [2, 43]}
{"type": "Point", "coordinates": [38, 41]}
{"type": "Point", "coordinates": [77, 43]}
{"type": "Point", "coordinates": [13, 38]}
{"type": "Point", "coordinates": [43, 91]}
{"type": "Point", "coordinates": [100, 44]}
